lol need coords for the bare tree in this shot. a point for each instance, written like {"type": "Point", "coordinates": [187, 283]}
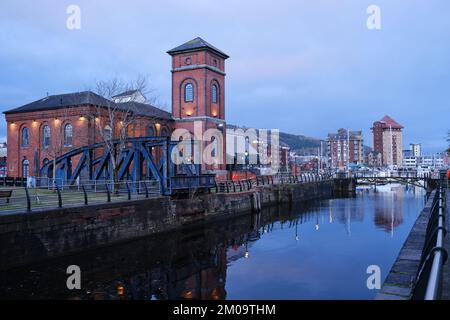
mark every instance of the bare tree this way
{"type": "Point", "coordinates": [113, 121]}
{"type": "Point", "coordinates": [56, 144]}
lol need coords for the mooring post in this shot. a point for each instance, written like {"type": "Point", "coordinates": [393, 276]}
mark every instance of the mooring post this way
{"type": "Point", "coordinates": [59, 196]}
{"type": "Point", "coordinates": [108, 194]}
{"type": "Point", "coordinates": [146, 189]}
{"type": "Point", "coordinates": [28, 199]}
{"type": "Point", "coordinates": [85, 195]}
{"type": "Point", "coordinates": [128, 190]}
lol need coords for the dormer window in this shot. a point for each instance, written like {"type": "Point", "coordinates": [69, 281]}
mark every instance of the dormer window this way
{"type": "Point", "coordinates": [188, 93]}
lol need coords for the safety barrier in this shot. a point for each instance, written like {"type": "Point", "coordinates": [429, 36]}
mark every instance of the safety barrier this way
{"type": "Point", "coordinates": [428, 282]}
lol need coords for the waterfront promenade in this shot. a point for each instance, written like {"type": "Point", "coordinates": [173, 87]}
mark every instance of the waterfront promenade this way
{"type": "Point", "coordinates": [416, 273]}
{"type": "Point", "coordinates": [446, 283]}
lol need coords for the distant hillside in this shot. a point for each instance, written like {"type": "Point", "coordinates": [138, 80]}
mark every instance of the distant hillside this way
{"type": "Point", "coordinates": [304, 145]}
{"type": "Point", "coordinates": [299, 143]}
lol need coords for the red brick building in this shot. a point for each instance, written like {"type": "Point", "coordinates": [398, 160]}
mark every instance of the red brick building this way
{"type": "Point", "coordinates": [388, 140]}
{"type": "Point", "coordinates": [54, 125]}
{"type": "Point", "coordinates": [198, 93]}
{"type": "Point", "coordinates": [47, 128]}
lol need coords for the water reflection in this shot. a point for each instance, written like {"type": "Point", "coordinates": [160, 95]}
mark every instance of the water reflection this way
{"type": "Point", "coordinates": [234, 259]}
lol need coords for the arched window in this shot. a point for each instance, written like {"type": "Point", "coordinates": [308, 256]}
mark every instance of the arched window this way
{"type": "Point", "coordinates": [151, 131]}
{"type": "Point", "coordinates": [214, 93]}
{"type": "Point", "coordinates": [164, 132]}
{"type": "Point", "coordinates": [25, 137]}
{"type": "Point", "coordinates": [68, 135]}
{"type": "Point", "coordinates": [188, 92]}
{"type": "Point", "coordinates": [25, 168]}
{"type": "Point", "coordinates": [107, 133]}
{"type": "Point", "coordinates": [46, 136]}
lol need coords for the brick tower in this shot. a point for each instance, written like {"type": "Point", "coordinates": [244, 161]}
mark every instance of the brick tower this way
{"type": "Point", "coordinates": [198, 91]}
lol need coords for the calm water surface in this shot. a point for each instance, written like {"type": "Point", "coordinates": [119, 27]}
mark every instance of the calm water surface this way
{"type": "Point", "coordinates": [319, 250]}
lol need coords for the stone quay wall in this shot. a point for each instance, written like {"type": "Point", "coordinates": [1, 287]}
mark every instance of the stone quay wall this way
{"type": "Point", "coordinates": [30, 237]}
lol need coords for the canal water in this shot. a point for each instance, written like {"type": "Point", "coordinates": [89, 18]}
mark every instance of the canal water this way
{"type": "Point", "coordinates": [318, 250]}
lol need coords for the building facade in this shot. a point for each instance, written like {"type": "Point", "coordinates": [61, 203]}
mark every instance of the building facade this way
{"type": "Point", "coordinates": [374, 159]}
{"type": "Point", "coordinates": [388, 140]}
{"type": "Point", "coordinates": [50, 127]}
{"type": "Point", "coordinates": [345, 147]}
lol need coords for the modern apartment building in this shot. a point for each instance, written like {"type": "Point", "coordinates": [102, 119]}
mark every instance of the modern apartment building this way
{"type": "Point", "coordinates": [345, 147]}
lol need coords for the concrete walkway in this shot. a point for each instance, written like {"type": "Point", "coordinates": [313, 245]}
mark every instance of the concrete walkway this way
{"type": "Point", "coordinates": [399, 282]}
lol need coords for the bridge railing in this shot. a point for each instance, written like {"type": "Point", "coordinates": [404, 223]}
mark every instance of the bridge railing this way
{"type": "Point", "coordinates": [34, 198]}
{"type": "Point", "coordinates": [230, 186]}
{"type": "Point", "coordinates": [428, 282]}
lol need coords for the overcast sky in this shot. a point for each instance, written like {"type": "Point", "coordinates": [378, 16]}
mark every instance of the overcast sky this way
{"type": "Point", "coordinates": [305, 67]}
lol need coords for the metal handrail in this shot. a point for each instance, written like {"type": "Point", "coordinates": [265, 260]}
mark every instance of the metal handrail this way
{"type": "Point", "coordinates": [428, 282]}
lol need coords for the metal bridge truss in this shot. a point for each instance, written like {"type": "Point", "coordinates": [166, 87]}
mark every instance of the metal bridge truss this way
{"type": "Point", "coordinates": [143, 158]}
{"type": "Point", "coordinates": [411, 180]}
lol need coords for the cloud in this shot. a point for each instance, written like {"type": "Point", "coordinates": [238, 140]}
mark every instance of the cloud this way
{"type": "Point", "coordinates": [310, 66]}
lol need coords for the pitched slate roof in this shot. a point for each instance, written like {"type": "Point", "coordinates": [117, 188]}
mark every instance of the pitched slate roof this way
{"type": "Point", "coordinates": [391, 122]}
{"type": "Point", "coordinates": [61, 101]}
{"type": "Point", "coordinates": [145, 110]}
{"type": "Point", "coordinates": [195, 45]}
{"type": "Point", "coordinates": [89, 98]}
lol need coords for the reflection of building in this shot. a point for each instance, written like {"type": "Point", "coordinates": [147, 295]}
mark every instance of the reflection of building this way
{"type": "Point", "coordinates": [389, 213]}
{"type": "Point", "coordinates": [345, 147]}
{"type": "Point", "coordinates": [388, 140]}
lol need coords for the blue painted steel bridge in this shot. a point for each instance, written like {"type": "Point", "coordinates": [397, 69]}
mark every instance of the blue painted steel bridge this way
{"type": "Point", "coordinates": [142, 159]}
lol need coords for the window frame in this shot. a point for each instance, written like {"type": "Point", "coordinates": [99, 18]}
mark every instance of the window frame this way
{"type": "Point", "coordinates": [66, 144]}
{"type": "Point", "coordinates": [44, 136]}
{"type": "Point", "coordinates": [22, 140]}
{"type": "Point", "coordinates": [214, 94]}
{"type": "Point", "coordinates": [189, 98]}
